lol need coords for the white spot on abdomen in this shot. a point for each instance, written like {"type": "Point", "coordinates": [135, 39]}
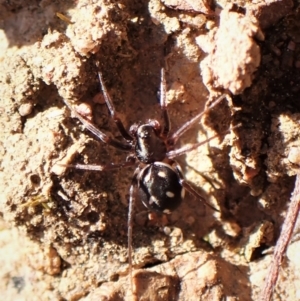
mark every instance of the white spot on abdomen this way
{"type": "Point", "coordinates": [170, 194]}
{"type": "Point", "coordinates": [162, 174]}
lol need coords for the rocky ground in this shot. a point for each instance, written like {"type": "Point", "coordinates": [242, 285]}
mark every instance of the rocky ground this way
{"type": "Point", "coordinates": [64, 231]}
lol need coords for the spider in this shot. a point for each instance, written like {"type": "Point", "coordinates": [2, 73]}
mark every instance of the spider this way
{"type": "Point", "coordinates": [157, 180]}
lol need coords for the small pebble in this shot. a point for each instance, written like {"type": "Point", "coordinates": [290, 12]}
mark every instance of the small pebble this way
{"type": "Point", "coordinates": [25, 109]}
{"type": "Point", "coordinates": [85, 110]}
{"type": "Point", "coordinates": [294, 155]}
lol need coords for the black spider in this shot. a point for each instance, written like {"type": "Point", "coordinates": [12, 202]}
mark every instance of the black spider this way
{"type": "Point", "coordinates": [157, 181]}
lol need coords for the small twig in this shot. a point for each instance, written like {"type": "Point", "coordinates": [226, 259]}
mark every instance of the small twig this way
{"type": "Point", "coordinates": [64, 18]}
{"type": "Point", "coordinates": [283, 241]}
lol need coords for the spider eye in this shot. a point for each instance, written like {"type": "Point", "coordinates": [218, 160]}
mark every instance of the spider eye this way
{"type": "Point", "coordinates": [144, 132]}
{"type": "Point", "coordinates": [144, 135]}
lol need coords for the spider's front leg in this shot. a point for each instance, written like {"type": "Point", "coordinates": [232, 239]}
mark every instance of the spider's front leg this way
{"type": "Point", "coordinates": [185, 127]}
{"type": "Point", "coordinates": [125, 146]}
{"type": "Point", "coordinates": [163, 105]}
{"type": "Point", "coordinates": [112, 111]}
{"type": "Point", "coordinates": [130, 161]}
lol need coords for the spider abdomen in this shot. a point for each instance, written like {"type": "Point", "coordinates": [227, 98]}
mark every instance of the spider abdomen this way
{"type": "Point", "coordinates": [159, 187]}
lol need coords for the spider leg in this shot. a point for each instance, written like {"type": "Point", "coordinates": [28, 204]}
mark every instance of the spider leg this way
{"type": "Point", "coordinates": [132, 199]}
{"type": "Point", "coordinates": [102, 136]}
{"type": "Point", "coordinates": [93, 167]}
{"type": "Point", "coordinates": [185, 149]}
{"type": "Point", "coordinates": [173, 139]}
{"type": "Point", "coordinates": [186, 185]}
{"type": "Point", "coordinates": [163, 105]}
{"type": "Point", "coordinates": [112, 111]}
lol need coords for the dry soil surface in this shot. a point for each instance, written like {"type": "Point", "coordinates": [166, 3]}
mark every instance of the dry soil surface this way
{"type": "Point", "coordinates": [63, 230]}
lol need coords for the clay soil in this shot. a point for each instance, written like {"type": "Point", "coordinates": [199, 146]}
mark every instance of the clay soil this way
{"type": "Point", "coordinates": [64, 231]}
